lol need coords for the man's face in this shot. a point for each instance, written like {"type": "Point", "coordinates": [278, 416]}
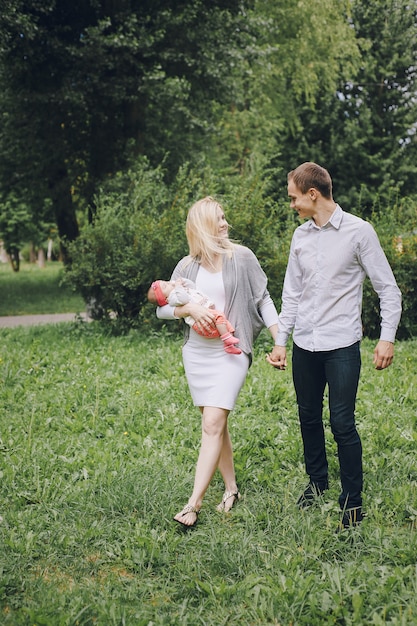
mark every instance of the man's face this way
{"type": "Point", "coordinates": [301, 202]}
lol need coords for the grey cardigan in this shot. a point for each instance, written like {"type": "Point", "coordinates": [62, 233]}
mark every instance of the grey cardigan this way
{"type": "Point", "coordinates": [245, 285]}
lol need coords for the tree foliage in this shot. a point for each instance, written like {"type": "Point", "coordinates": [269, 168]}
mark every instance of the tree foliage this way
{"type": "Point", "coordinates": [88, 85]}
{"type": "Point", "coordinates": [16, 228]}
{"type": "Point", "coordinates": [300, 52]}
{"type": "Point", "coordinates": [365, 131]}
{"type": "Point", "coordinates": [128, 111]}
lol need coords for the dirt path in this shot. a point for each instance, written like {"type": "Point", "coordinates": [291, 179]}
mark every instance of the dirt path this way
{"type": "Point", "coordinates": [33, 320]}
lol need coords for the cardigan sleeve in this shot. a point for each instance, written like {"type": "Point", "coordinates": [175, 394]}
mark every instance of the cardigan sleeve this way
{"type": "Point", "coordinates": [246, 281]}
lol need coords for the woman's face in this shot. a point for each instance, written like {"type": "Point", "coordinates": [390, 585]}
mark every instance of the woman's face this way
{"type": "Point", "coordinates": [222, 223]}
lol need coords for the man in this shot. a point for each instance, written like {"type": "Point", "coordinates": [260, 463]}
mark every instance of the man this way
{"type": "Point", "coordinates": [330, 256]}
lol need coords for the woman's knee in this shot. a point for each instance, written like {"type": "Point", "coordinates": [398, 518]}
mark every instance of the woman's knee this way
{"type": "Point", "coordinates": [214, 421]}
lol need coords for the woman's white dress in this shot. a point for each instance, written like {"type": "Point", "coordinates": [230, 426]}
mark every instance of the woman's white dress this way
{"type": "Point", "coordinates": [214, 376]}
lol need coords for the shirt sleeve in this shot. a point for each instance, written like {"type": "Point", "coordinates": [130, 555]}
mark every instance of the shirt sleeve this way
{"type": "Point", "coordinates": [375, 264]}
{"type": "Point", "coordinates": [290, 298]}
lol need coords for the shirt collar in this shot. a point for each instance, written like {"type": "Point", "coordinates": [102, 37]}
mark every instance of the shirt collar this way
{"type": "Point", "coordinates": [335, 219]}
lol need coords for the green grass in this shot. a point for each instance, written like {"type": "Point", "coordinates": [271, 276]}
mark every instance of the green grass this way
{"type": "Point", "coordinates": [98, 446]}
{"type": "Point", "coordinates": [35, 290]}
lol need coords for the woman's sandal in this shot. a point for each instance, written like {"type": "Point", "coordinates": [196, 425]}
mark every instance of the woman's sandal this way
{"type": "Point", "coordinates": [228, 494]}
{"type": "Point", "coordinates": [189, 508]}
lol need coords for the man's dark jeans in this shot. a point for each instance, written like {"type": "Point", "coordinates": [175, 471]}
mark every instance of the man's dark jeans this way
{"type": "Point", "coordinates": [340, 369]}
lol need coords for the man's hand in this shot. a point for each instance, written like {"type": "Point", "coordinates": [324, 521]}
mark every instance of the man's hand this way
{"type": "Point", "coordinates": [278, 357]}
{"type": "Point", "coordinates": [383, 354]}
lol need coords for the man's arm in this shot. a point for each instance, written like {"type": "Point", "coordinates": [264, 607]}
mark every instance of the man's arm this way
{"type": "Point", "coordinates": [376, 266]}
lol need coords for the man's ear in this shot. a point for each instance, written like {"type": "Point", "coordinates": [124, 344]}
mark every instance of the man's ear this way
{"type": "Point", "coordinates": [313, 193]}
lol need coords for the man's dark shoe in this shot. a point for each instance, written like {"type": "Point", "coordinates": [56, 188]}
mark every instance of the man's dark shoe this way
{"type": "Point", "coordinates": [351, 518]}
{"type": "Point", "coordinates": [310, 495]}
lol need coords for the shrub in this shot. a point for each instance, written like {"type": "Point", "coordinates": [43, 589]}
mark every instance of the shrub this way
{"type": "Point", "coordinates": [396, 229]}
{"type": "Point", "coordinates": [115, 256]}
{"type": "Point", "coordinates": [16, 226]}
{"type": "Point", "coordinates": [138, 235]}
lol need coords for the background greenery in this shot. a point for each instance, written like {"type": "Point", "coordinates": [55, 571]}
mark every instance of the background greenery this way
{"type": "Point", "coordinates": [35, 290]}
{"type": "Point", "coordinates": [118, 256]}
{"type": "Point", "coordinates": [115, 116]}
{"type": "Point", "coordinates": [89, 88]}
{"type": "Point", "coordinates": [97, 450]}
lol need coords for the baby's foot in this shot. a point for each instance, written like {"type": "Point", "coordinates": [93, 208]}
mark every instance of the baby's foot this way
{"type": "Point", "coordinates": [232, 349]}
{"type": "Point", "coordinates": [229, 339]}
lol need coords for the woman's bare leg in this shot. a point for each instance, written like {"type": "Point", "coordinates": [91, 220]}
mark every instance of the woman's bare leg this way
{"type": "Point", "coordinates": [214, 433]}
{"type": "Point", "coordinates": [227, 470]}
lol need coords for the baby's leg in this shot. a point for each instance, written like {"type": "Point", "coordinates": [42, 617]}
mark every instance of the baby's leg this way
{"type": "Point", "coordinates": [225, 331]}
{"type": "Point", "coordinates": [222, 328]}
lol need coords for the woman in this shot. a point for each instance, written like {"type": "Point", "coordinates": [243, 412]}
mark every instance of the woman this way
{"type": "Point", "coordinates": [231, 276]}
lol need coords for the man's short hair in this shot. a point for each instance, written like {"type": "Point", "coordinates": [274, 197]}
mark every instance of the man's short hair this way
{"type": "Point", "coordinates": [308, 175]}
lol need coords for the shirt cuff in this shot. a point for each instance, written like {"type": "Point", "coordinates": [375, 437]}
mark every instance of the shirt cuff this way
{"type": "Point", "coordinates": [269, 314]}
{"type": "Point", "coordinates": [387, 334]}
{"type": "Point", "coordinates": [281, 339]}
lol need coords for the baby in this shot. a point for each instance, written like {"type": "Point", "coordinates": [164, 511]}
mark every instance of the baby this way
{"type": "Point", "coordinates": [180, 292]}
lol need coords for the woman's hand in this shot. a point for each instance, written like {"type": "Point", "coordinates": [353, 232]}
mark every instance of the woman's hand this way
{"type": "Point", "coordinates": [204, 318]}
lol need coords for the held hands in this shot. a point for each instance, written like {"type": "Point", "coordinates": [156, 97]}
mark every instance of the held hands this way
{"type": "Point", "coordinates": [278, 357]}
{"type": "Point", "coordinates": [383, 354]}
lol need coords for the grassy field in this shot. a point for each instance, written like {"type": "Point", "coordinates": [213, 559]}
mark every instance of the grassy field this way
{"type": "Point", "coordinates": [98, 445]}
{"type": "Point", "coordinates": [35, 290]}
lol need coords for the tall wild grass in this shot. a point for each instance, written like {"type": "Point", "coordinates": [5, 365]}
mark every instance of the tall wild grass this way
{"type": "Point", "coordinates": [98, 443]}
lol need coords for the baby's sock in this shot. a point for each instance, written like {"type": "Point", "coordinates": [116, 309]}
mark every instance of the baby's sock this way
{"type": "Point", "coordinates": [232, 349]}
{"type": "Point", "coordinates": [229, 343]}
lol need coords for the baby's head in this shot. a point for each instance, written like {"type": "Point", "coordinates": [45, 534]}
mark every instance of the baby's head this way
{"type": "Point", "coordinates": [159, 291]}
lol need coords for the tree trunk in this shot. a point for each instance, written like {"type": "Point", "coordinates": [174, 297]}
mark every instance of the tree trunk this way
{"type": "Point", "coordinates": [41, 257]}
{"type": "Point", "coordinates": [14, 258]}
{"type": "Point", "coordinates": [64, 210]}
{"type": "Point", "coordinates": [32, 254]}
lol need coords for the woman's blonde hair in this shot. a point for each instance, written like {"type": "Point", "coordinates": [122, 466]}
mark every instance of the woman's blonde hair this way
{"type": "Point", "coordinates": [202, 230]}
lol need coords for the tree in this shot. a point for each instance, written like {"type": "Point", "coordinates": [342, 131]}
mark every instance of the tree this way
{"type": "Point", "coordinates": [365, 131]}
{"type": "Point", "coordinates": [15, 228]}
{"type": "Point", "coordinates": [86, 85]}
{"type": "Point", "coordinates": [301, 52]}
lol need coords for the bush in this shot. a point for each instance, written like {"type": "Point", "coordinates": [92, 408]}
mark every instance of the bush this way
{"type": "Point", "coordinates": [120, 252]}
{"type": "Point", "coordinates": [138, 235]}
{"type": "Point", "coordinates": [396, 229]}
